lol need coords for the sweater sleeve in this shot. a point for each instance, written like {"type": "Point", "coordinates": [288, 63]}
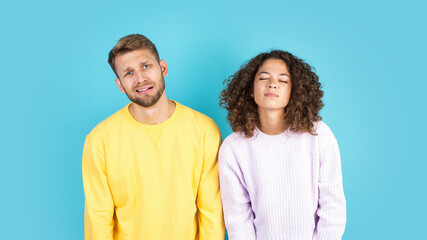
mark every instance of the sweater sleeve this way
{"type": "Point", "coordinates": [235, 198]}
{"type": "Point", "coordinates": [99, 206]}
{"type": "Point", "coordinates": [211, 221]}
{"type": "Point", "coordinates": [331, 211]}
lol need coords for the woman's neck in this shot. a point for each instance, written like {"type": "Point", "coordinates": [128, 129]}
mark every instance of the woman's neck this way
{"type": "Point", "coordinates": [272, 122]}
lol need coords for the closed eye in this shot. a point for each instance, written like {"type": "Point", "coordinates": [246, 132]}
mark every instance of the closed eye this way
{"type": "Point", "coordinates": [283, 81]}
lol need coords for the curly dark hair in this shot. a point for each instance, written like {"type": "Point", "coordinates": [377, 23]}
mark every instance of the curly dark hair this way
{"type": "Point", "coordinates": [304, 103]}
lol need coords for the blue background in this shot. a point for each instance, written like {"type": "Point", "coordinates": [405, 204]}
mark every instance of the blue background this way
{"type": "Point", "coordinates": [57, 85]}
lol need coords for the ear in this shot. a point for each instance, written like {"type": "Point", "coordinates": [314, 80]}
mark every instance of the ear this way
{"type": "Point", "coordinates": [119, 84]}
{"type": "Point", "coordinates": [164, 67]}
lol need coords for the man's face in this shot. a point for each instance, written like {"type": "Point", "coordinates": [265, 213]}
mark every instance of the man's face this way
{"type": "Point", "coordinates": [141, 76]}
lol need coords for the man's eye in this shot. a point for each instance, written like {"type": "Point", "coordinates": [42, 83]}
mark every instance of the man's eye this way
{"type": "Point", "coordinates": [146, 66]}
{"type": "Point", "coordinates": [283, 81]}
{"type": "Point", "coordinates": [263, 79]}
{"type": "Point", "coordinates": [128, 73]}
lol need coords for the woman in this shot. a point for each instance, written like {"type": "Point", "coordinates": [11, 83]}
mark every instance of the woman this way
{"type": "Point", "coordinates": [280, 171]}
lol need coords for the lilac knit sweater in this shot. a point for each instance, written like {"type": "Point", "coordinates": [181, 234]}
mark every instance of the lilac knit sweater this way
{"type": "Point", "coordinates": [286, 186]}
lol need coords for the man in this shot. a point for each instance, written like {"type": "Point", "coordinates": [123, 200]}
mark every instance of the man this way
{"type": "Point", "coordinates": [150, 170]}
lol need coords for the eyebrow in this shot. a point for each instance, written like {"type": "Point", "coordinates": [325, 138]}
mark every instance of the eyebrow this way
{"type": "Point", "coordinates": [141, 64]}
{"type": "Point", "coordinates": [282, 74]}
{"type": "Point", "coordinates": [126, 70]}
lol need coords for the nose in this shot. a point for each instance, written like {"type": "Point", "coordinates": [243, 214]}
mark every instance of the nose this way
{"type": "Point", "coordinates": [272, 84]}
{"type": "Point", "coordinates": [141, 77]}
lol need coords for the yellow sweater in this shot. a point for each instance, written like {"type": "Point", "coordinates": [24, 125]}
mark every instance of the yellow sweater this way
{"type": "Point", "coordinates": [153, 181]}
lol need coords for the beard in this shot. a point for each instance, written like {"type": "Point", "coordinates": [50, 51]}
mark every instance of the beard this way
{"type": "Point", "coordinates": [148, 101]}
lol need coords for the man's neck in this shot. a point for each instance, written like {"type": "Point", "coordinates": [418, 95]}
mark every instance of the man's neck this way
{"type": "Point", "coordinates": [158, 113]}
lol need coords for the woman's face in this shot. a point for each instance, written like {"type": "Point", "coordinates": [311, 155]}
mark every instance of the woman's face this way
{"type": "Point", "coordinates": [272, 85]}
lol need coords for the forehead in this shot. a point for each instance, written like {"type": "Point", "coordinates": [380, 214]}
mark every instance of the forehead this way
{"type": "Point", "coordinates": [134, 57]}
{"type": "Point", "coordinates": [274, 65]}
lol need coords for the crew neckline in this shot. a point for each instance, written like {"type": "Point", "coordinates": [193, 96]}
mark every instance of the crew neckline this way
{"type": "Point", "coordinates": [261, 135]}
{"type": "Point", "coordinates": [171, 119]}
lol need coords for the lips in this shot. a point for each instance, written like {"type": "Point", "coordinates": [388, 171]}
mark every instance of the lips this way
{"type": "Point", "coordinates": [270, 94]}
{"type": "Point", "coordinates": [144, 89]}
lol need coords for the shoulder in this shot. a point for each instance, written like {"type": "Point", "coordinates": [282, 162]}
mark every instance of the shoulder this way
{"type": "Point", "coordinates": [322, 129]}
{"type": "Point", "coordinates": [108, 124]}
{"type": "Point", "coordinates": [234, 149]}
{"type": "Point", "coordinates": [236, 138]}
{"type": "Point", "coordinates": [191, 113]}
{"type": "Point", "coordinates": [325, 137]}
{"type": "Point", "coordinates": [196, 118]}
{"type": "Point", "coordinates": [234, 141]}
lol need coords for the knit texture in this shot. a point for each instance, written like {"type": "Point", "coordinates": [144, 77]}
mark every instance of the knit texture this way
{"type": "Point", "coordinates": [286, 186]}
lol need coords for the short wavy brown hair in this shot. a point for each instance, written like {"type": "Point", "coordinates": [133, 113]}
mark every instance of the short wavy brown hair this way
{"type": "Point", "coordinates": [304, 104]}
{"type": "Point", "coordinates": [131, 43]}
